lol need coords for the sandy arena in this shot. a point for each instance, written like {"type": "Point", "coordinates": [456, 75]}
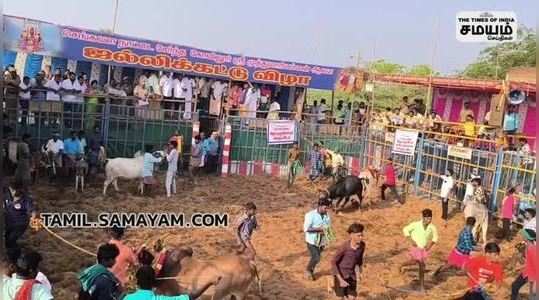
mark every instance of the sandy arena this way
{"type": "Point", "coordinates": [279, 242]}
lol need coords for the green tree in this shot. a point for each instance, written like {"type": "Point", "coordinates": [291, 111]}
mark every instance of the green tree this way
{"type": "Point", "coordinates": [385, 67]}
{"type": "Point", "coordinates": [422, 70]}
{"type": "Point", "coordinates": [495, 61]}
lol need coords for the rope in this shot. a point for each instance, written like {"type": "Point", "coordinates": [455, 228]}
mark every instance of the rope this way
{"type": "Point", "coordinates": [38, 224]}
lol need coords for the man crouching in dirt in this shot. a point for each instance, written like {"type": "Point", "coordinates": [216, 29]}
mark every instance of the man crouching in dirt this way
{"type": "Point", "coordinates": [245, 225]}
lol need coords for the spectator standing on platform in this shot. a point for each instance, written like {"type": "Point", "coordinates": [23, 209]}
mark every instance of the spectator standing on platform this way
{"type": "Point", "coordinates": [322, 111]}
{"type": "Point", "coordinates": [274, 109]}
{"type": "Point", "coordinates": [465, 112]}
{"type": "Point", "coordinates": [53, 87]}
{"type": "Point", "coordinates": [252, 98]}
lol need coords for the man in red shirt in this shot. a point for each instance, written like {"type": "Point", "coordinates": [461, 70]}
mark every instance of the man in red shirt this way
{"type": "Point", "coordinates": [390, 180]}
{"type": "Point", "coordinates": [529, 274]}
{"type": "Point", "coordinates": [483, 270]}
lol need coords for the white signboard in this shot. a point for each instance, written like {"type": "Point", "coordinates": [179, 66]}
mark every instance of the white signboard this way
{"type": "Point", "coordinates": [481, 26]}
{"type": "Point", "coordinates": [281, 132]}
{"type": "Point", "coordinates": [405, 142]}
{"type": "Point", "coordinates": [461, 152]}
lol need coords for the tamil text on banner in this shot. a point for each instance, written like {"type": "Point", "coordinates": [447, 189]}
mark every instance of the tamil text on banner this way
{"type": "Point", "coordinates": [405, 142]}
{"type": "Point", "coordinates": [460, 152]}
{"type": "Point", "coordinates": [30, 36]}
{"type": "Point", "coordinates": [281, 132]}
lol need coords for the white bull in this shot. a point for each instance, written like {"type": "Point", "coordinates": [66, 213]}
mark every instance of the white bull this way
{"type": "Point", "coordinates": [128, 168]}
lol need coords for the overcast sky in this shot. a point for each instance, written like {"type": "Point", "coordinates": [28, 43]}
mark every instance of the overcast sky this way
{"type": "Point", "coordinates": [315, 31]}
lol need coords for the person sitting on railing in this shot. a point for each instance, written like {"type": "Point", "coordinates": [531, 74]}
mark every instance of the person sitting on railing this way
{"type": "Point", "coordinates": [274, 109]}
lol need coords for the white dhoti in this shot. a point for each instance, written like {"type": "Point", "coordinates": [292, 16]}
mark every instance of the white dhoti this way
{"type": "Point", "coordinates": [170, 183]}
{"type": "Point", "coordinates": [480, 213]}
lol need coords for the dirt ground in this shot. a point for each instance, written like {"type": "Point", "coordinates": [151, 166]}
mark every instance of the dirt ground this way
{"type": "Point", "coordinates": [279, 242]}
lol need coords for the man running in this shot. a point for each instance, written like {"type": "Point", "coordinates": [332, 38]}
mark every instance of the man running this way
{"type": "Point", "coordinates": [344, 263]}
{"type": "Point", "coordinates": [317, 221]}
{"type": "Point", "coordinates": [422, 235]}
{"type": "Point", "coordinates": [460, 255]}
{"type": "Point", "coordinates": [483, 270]}
{"type": "Point", "coordinates": [245, 227]}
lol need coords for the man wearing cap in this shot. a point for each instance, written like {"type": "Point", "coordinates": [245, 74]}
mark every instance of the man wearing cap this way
{"type": "Point", "coordinates": [317, 222]}
{"type": "Point", "coordinates": [55, 148]}
{"type": "Point", "coordinates": [529, 274]}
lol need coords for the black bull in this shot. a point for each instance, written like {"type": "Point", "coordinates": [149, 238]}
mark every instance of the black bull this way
{"type": "Point", "coordinates": [347, 187]}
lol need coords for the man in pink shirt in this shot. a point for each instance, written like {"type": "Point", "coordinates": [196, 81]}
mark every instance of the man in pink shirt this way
{"type": "Point", "coordinates": [126, 257]}
{"type": "Point", "coordinates": [390, 180]}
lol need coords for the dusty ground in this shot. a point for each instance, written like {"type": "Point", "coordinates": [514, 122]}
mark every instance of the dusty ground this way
{"type": "Point", "coordinates": [279, 242]}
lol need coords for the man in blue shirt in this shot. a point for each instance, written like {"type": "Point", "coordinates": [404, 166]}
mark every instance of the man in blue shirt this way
{"type": "Point", "coordinates": [148, 165]}
{"type": "Point", "coordinates": [210, 151]}
{"type": "Point", "coordinates": [72, 148]}
{"type": "Point", "coordinates": [315, 226]}
{"type": "Point", "coordinates": [146, 281]}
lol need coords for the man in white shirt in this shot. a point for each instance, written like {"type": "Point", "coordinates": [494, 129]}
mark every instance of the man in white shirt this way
{"type": "Point", "coordinates": [167, 83]}
{"type": "Point", "coordinates": [26, 268]}
{"type": "Point", "coordinates": [217, 97]}
{"type": "Point", "coordinates": [153, 82]}
{"type": "Point", "coordinates": [252, 98]}
{"type": "Point", "coordinates": [53, 88]}
{"type": "Point", "coordinates": [54, 149]}
{"type": "Point", "coordinates": [274, 109]}
{"type": "Point", "coordinates": [186, 93]}
{"type": "Point", "coordinates": [322, 110]}
{"type": "Point", "coordinates": [71, 89]}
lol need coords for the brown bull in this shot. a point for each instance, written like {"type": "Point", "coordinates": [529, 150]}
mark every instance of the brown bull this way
{"type": "Point", "coordinates": [236, 273]}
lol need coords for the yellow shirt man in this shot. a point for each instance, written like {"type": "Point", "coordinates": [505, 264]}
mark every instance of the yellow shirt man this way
{"type": "Point", "coordinates": [421, 235]}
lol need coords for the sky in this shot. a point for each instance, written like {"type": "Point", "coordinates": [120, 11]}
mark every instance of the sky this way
{"type": "Point", "coordinates": [320, 32]}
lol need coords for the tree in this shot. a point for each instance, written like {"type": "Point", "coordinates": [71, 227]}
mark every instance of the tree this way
{"type": "Point", "coordinates": [495, 61]}
{"type": "Point", "coordinates": [422, 70]}
{"type": "Point", "coordinates": [385, 67]}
